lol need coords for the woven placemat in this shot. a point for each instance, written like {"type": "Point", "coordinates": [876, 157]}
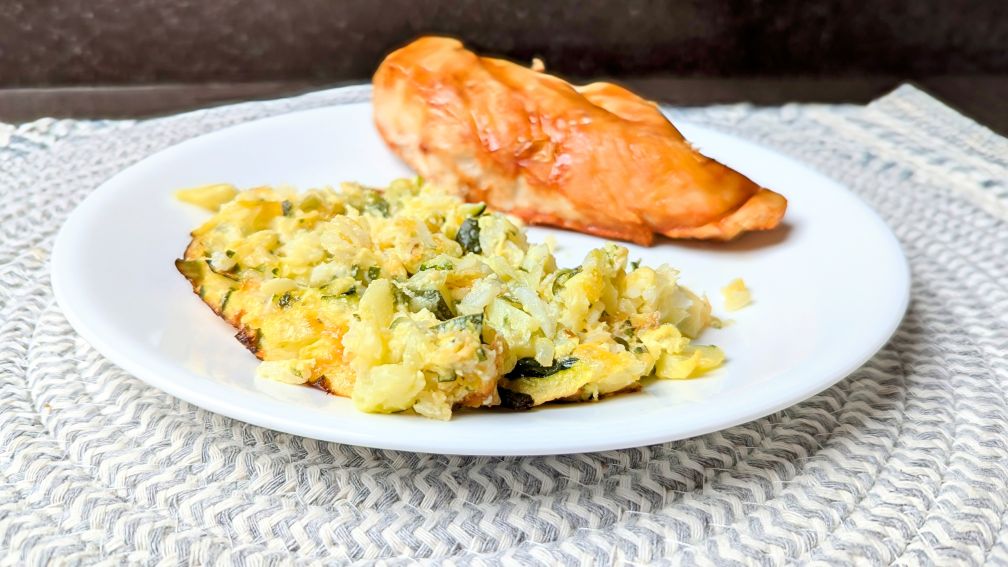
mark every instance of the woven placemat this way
{"type": "Point", "coordinates": [905, 461]}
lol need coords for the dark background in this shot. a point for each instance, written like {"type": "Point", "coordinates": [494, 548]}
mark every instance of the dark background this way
{"type": "Point", "coordinates": [125, 58]}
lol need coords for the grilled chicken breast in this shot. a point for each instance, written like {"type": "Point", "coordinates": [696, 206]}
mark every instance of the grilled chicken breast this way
{"type": "Point", "coordinates": [595, 158]}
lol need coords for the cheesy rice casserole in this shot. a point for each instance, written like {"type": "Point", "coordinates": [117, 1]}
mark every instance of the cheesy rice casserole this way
{"type": "Point", "coordinates": [411, 299]}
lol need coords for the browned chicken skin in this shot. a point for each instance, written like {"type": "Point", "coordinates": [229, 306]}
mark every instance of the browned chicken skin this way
{"type": "Point", "coordinates": [595, 158]}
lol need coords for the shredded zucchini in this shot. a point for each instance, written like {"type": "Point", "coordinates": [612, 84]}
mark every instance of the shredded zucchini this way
{"type": "Point", "coordinates": [408, 298]}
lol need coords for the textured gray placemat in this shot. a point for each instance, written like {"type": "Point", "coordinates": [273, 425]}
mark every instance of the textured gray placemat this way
{"type": "Point", "coordinates": [905, 461]}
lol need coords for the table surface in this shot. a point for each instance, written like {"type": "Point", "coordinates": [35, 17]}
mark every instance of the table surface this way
{"type": "Point", "coordinates": [905, 461]}
{"type": "Point", "coordinates": [980, 97]}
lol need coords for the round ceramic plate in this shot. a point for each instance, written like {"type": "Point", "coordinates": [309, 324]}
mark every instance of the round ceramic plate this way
{"type": "Point", "coordinates": [830, 287]}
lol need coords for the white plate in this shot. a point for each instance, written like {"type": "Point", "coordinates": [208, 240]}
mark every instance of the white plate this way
{"type": "Point", "coordinates": [830, 288]}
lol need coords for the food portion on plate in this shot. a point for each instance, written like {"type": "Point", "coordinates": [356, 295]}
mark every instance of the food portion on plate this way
{"type": "Point", "coordinates": [409, 298]}
{"type": "Point", "coordinates": [736, 295]}
{"type": "Point", "coordinates": [593, 158]}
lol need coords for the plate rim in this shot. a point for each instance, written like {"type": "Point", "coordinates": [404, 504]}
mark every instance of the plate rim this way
{"type": "Point", "coordinates": [159, 378]}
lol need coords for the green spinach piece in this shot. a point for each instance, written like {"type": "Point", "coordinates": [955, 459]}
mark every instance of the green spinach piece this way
{"type": "Point", "coordinates": [462, 322]}
{"type": "Point", "coordinates": [468, 236]}
{"type": "Point", "coordinates": [515, 400]}
{"type": "Point", "coordinates": [529, 368]}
